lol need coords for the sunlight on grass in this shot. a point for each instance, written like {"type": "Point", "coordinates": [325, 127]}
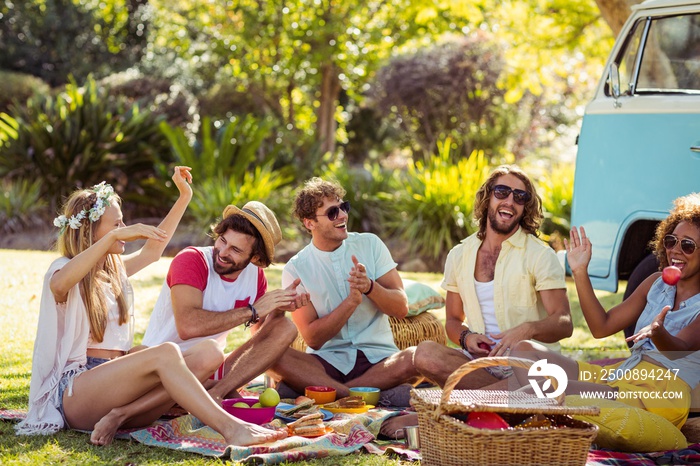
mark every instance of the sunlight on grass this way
{"type": "Point", "coordinates": [21, 281]}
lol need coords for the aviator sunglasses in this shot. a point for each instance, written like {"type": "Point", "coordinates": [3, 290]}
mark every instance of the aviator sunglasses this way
{"type": "Point", "coordinates": [520, 197]}
{"type": "Point", "coordinates": [333, 212]}
{"type": "Point", "coordinates": [688, 246]}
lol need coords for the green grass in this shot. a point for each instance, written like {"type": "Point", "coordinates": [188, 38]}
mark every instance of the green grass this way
{"type": "Point", "coordinates": [20, 285]}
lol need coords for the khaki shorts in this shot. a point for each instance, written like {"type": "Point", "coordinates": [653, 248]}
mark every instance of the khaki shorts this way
{"type": "Point", "coordinates": [647, 386]}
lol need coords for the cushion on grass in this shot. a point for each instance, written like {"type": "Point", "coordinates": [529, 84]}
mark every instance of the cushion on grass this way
{"type": "Point", "coordinates": [421, 297]}
{"type": "Point", "coordinates": [624, 428]}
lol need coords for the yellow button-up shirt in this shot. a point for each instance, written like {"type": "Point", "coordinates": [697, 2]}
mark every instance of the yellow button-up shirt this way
{"type": "Point", "coordinates": [525, 266]}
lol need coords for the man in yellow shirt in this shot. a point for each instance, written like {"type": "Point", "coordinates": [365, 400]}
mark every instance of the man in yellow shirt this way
{"type": "Point", "coordinates": [504, 285]}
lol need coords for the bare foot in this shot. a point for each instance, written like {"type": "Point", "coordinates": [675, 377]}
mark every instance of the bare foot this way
{"type": "Point", "coordinates": [242, 433]}
{"type": "Point", "coordinates": [393, 427]}
{"type": "Point", "coordinates": [105, 429]}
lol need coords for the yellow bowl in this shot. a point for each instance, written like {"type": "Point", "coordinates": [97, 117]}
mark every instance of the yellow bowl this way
{"type": "Point", "coordinates": [370, 395]}
{"type": "Point", "coordinates": [320, 394]}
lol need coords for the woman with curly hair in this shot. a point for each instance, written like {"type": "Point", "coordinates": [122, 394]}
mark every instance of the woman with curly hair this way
{"type": "Point", "coordinates": [665, 356]}
{"type": "Point", "coordinates": [85, 374]}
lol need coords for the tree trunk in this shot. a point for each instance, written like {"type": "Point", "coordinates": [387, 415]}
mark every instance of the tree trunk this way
{"type": "Point", "coordinates": [616, 12]}
{"type": "Point", "coordinates": [326, 124]}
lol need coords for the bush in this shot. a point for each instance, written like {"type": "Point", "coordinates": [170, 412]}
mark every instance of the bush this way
{"type": "Point", "coordinates": [18, 87]}
{"type": "Point", "coordinates": [230, 167]}
{"type": "Point", "coordinates": [21, 205]}
{"type": "Point", "coordinates": [557, 190]}
{"type": "Point", "coordinates": [434, 210]}
{"type": "Point", "coordinates": [448, 90]}
{"type": "Point", "coordinates": [160, 96]}
{"type": "Point", "coordinates": [80, 138]}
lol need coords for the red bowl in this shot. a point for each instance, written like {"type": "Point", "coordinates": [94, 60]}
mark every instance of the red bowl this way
{"type": "Point", "coordinates": [253, 415]}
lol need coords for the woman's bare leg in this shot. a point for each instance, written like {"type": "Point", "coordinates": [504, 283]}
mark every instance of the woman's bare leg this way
{"type": "Point", "coordinates": [96, 392]}
{"type": "Point", "coordinates": [202, 360]}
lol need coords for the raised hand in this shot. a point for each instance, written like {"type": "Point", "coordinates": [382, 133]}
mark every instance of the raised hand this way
{"type": "Point", "coordinates": [182, 177]}
{"type": "Point", "coordinates": [139, 231]}
{"type": "Point", "coordinates": [578, 250]}
{"type": "Point", "coordinates": [651, 329]}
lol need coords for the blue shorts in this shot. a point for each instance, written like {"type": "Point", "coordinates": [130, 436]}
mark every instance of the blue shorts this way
{"type": "Point", "coordinates": [66, 382]}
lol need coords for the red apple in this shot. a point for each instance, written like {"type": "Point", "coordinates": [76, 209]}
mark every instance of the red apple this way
{"type": "Point", "coordinates": [485, 346]}
{"type": "Point", "coordinates": [671, 275]}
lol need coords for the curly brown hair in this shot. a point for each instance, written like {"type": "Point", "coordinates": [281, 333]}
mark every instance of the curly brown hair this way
{"type": "Point", "coordinates": [686, 209]}
{"type": "Point", "coordinates": [311, 196]}
{"type": "Point", "coordinates": [532, 215]}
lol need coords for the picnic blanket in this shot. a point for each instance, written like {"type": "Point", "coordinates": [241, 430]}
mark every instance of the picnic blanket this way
{"type": "Point", "coordinates": [354, 434]}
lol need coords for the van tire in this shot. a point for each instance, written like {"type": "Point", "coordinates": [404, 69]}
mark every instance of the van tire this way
{"type": "Point", "coordinates": [646, 267]}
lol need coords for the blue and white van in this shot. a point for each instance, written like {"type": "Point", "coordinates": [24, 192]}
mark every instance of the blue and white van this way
{"type": "Point", "coordinates": [639, 147]}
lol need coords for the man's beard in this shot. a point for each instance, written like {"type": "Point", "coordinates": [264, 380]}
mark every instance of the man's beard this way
{"type": "Point", "coordinates": [500, 228]}
{"type": "Point", "coordinates": [234, 267]}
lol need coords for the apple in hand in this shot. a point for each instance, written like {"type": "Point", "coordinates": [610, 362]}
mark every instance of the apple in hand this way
{"type": "Point", "coordinates": [671, 275]}
{"type": "Point", "coordinates": [484, 346]}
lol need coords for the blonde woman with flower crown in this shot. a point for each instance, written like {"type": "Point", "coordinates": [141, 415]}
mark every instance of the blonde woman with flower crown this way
{"type": "Point", "coordinates": [85, 375]}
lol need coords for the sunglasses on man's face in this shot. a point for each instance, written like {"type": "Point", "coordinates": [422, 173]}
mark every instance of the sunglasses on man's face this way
{"type": "Point", "coordinates": [520, 197]}
{"type": "Point", "coordinates": [333, 212]}
{"type": "Point", "coordinates": [688, 246]}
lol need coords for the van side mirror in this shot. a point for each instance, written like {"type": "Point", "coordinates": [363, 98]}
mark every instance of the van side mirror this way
{"type": "Point", "coordinates": [614, 83]}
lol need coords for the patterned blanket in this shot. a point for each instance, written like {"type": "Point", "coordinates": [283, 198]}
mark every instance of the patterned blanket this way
{"type": "Point", "coordinates": [353, 433]}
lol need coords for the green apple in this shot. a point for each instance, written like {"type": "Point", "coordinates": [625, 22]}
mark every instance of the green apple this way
{"type": "Point", "coordinates": [257, 405]}
{"type": "Point", "coordinates": [241, 404]}
{"type": "Point", "coordinates": [269, 397]}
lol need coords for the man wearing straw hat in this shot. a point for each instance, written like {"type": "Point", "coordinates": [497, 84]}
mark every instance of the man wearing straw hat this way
{"type": "Point", "coordinates": [210, 290]}
{"type": "Point", "coordinates": [503, 284]}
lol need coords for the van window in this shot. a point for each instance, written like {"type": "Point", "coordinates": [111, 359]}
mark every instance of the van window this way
{"type": "Point", "coordinates": [670, 61]}
{"type": "Point", "coordinates": [626, 65]}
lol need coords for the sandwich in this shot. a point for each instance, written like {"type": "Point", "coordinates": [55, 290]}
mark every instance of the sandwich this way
{"type": "Point", "coordinates": [347, 402]}
{"type": "Point", "coordinates": [309, 425]}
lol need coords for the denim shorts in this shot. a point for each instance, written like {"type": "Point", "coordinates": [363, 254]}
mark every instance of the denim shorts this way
{"type": "Point", "coordinates": [94, 362]}
{"type": "Point", "coordinates": [66, 382]}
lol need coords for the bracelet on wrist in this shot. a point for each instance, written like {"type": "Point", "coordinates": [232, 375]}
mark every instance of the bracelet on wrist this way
{"type": "Point", "coordinates": [253, 318]}
{"type": "Point", "coordinates": [371, 287]}
{"type": "Point", "coordinates": [463, 338]}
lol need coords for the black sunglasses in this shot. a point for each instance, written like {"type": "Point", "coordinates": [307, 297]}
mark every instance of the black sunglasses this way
{"type": "Point", "coordinates": [519, 196]}
{"type": "Point", "coordinates": [333, 212]}
{"type": "Point", "coordinates": [688, 246]}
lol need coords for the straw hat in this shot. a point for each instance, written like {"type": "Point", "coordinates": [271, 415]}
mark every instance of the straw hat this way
{"type": "Point", "coordinates": [264, 220]}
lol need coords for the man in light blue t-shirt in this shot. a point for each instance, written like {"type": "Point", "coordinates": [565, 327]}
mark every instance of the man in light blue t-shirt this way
{"type": "Point", "coordinates": [354, 288]}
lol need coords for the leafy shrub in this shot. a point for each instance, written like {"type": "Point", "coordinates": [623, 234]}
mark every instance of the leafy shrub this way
{"type": "Point", "coordinates": [160, 96]}
{"type": "Point", "coordinates": [79, 138]}
{"type": "Point", "coordinates": [448, 90]}
{"type": "Point", "coordinates": [18, 87]}
{"type": "Point", "coordinates": [228, 99]}
{"type": "Point", "coordinates": [557, 190]}
{"type": "Point", "coordinates": [434, 210]}
{"type": "Point", "coordinates": [21, 205]}
{"type": "Point", "coordinates": [230, 168]}
{"type": "Point", "coordinates": [370, 189]}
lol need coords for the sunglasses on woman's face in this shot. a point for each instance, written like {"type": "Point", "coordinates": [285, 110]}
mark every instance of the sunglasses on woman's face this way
{"type": "Point", "coordinates": [333, 212]}
{"type": "Point", "coordinates": [688, 246]}
{"type": "Point", "coordinates": [520, 197]}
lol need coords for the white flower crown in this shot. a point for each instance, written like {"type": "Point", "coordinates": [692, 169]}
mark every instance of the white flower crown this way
{"type": "Point", "coordinates": [104, 192]}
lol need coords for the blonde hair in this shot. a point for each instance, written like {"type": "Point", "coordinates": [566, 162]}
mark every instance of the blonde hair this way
{"type": "Point", "coordinates": [72, 242]}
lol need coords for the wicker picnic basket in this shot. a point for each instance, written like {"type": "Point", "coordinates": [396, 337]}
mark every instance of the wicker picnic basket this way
{"type": "Point", "coordinates": [448, 441]}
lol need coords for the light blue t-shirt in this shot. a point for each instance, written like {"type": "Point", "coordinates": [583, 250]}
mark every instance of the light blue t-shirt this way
{"type": "Point", "coordinates": [324, 275]}
{"type": "Point", "coordinates": [660, 295]}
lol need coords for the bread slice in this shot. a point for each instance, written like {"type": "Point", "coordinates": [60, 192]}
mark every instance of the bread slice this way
{"type": "Point", "coordinates": [319, 429]}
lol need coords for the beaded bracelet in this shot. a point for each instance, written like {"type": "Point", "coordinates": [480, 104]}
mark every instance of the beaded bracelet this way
{"type": "Point", "coordinates": [371, 286]}
{"type": "Point", "coordinates": [254, 318]}
{"type": "Point", "coordinates": [463, 338]}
